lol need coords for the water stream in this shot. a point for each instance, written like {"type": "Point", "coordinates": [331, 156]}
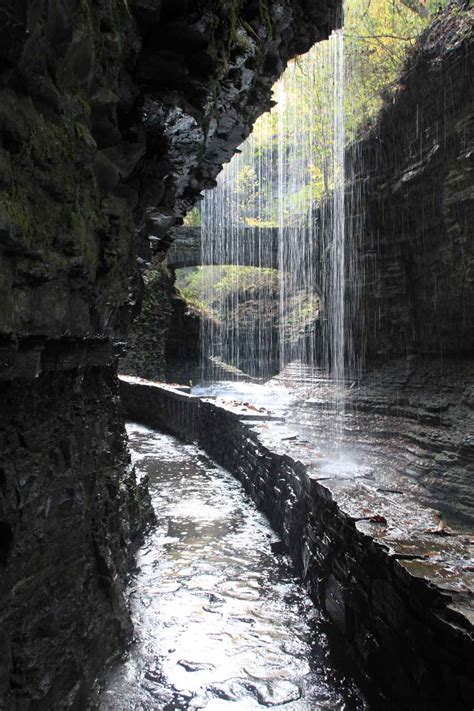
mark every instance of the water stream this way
{"type": "Point", "coordinates": [221, 621]}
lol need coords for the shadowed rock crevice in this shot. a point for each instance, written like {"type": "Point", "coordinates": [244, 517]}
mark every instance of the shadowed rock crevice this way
{"type": "Point", "coordinates": [6, 541]}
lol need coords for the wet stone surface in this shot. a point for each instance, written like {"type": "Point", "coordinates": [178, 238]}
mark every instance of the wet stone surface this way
{"type": "Point", "coordinates": [220, 619]}
{"type": "Point", "coordinates": [394, 576]}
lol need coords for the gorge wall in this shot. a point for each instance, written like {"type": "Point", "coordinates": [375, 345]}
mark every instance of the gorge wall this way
{"type": "Point", "coordinates": [415, 171]}
{"type": "Point", "coordinates": [163, 343]}
{"type": "Point", "coordinates": [114, 115]}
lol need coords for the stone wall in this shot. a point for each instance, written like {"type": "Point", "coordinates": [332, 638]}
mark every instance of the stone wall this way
{"type": "Point", "coordinates": [146, 343]}
{"type": "Point", "coordinates": [397, 594]}
{"type": "Point", "coordinates": [163, 342]}
{"type": "Point", "coordinates": [183, 347]}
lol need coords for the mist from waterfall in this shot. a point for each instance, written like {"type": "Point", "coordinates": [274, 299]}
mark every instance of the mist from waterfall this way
{"type": "Point", "coordinates": [289, 180]}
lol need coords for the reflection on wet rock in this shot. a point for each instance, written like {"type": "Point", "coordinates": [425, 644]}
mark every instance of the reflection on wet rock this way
{"type": "Point", "coordinates": [221, 621]}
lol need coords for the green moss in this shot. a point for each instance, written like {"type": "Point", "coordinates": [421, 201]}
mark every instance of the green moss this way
{"type": "Point", "coordinates": [228, 12]}
{"type": "Point", "coordinates": [85, 106]}
{"type": "Point", "coordinates": [146, 354]}
{"type": "Point", "coordinates": [53, 141]}
{"type": "Point", "coordinates": [83, 12]}
{"type": "Point", "coordinates": [51, 201]}
{"type": "Point", "coordinates": [80, 221]}
{"type": "Point", "coordinates": [243, 40]}
{"type": "Point", "coordinates": [82, 132]}
{"type": "Point", "coordinates": [235, 7]}
{"type": "Point", "coordinates": [89, 251]}
{"type": "Point", "coordinates": [54, 210]}
{"type": "Point", "coordinates": [15, 205]}
{"type": "Point", "coordinates": [224, 34]}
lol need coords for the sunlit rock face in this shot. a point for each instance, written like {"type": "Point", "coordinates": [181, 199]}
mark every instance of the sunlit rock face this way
{"type": "Point", "coordinates": [416, 249]}
{"type": "Point", "coordinates": [113, 116]}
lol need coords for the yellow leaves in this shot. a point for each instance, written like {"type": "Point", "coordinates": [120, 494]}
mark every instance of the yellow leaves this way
{"type": "Point", "coordinates": [300, 129]}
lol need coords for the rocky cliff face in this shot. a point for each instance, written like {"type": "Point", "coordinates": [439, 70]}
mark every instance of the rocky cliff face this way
{"type": "Point", "coordinates": [71, 516]}
{"type": "Point", "coordinates": [415, 251]}
{"type": "Point", "coordinates": [163, 343]}
{"type": "Point", "coordinates": [113, 115]}
{"type": "Point", "coordinates": [145, 353]}
{"type": "Point", "coordinates": [410, 235]}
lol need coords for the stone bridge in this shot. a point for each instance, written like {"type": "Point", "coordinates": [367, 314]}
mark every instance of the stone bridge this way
{"type": "Point", "coordinates": [259, 246]}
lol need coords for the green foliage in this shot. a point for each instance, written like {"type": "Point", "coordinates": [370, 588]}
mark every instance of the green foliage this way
{"type": "Point", "coordinates": [208, 287]}
{"type": "Point", "coordinates": [377, 36]}
{"type": "Point", "coordinates": [230, 278]}
{"type": "Point", "coordinates": [300, 310]}
{"type": "Point", "coordinates": [193, 218]}
{"type": "Point", "coordinates": [237, 293]}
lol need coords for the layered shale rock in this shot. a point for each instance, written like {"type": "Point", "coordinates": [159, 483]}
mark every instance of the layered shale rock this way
{"type": "Point", "coordinates": [415, 252]}
{"type": "Point", "coordinates": [71, 516]}
{"type": "Point", "coordinates": [113, 115]}
{"type": "Point", "coordinates": [147, 341]}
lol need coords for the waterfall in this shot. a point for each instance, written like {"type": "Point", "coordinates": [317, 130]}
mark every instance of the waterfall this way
{"type": "Point", "coordinates": [337, 275]}
{"type": "Point", "coordinates": [287, 184]}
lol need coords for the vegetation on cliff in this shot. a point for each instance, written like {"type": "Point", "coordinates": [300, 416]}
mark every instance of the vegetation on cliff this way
{"type": "Point", "coordinates": [379, 35]}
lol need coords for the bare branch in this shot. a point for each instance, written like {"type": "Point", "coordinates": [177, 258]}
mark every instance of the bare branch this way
{"type": "Point", "coordinates": [416, 6]}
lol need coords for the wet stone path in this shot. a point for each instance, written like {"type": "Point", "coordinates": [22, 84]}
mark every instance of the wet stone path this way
{"type": "Point", "coordinates": [221, 622]}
